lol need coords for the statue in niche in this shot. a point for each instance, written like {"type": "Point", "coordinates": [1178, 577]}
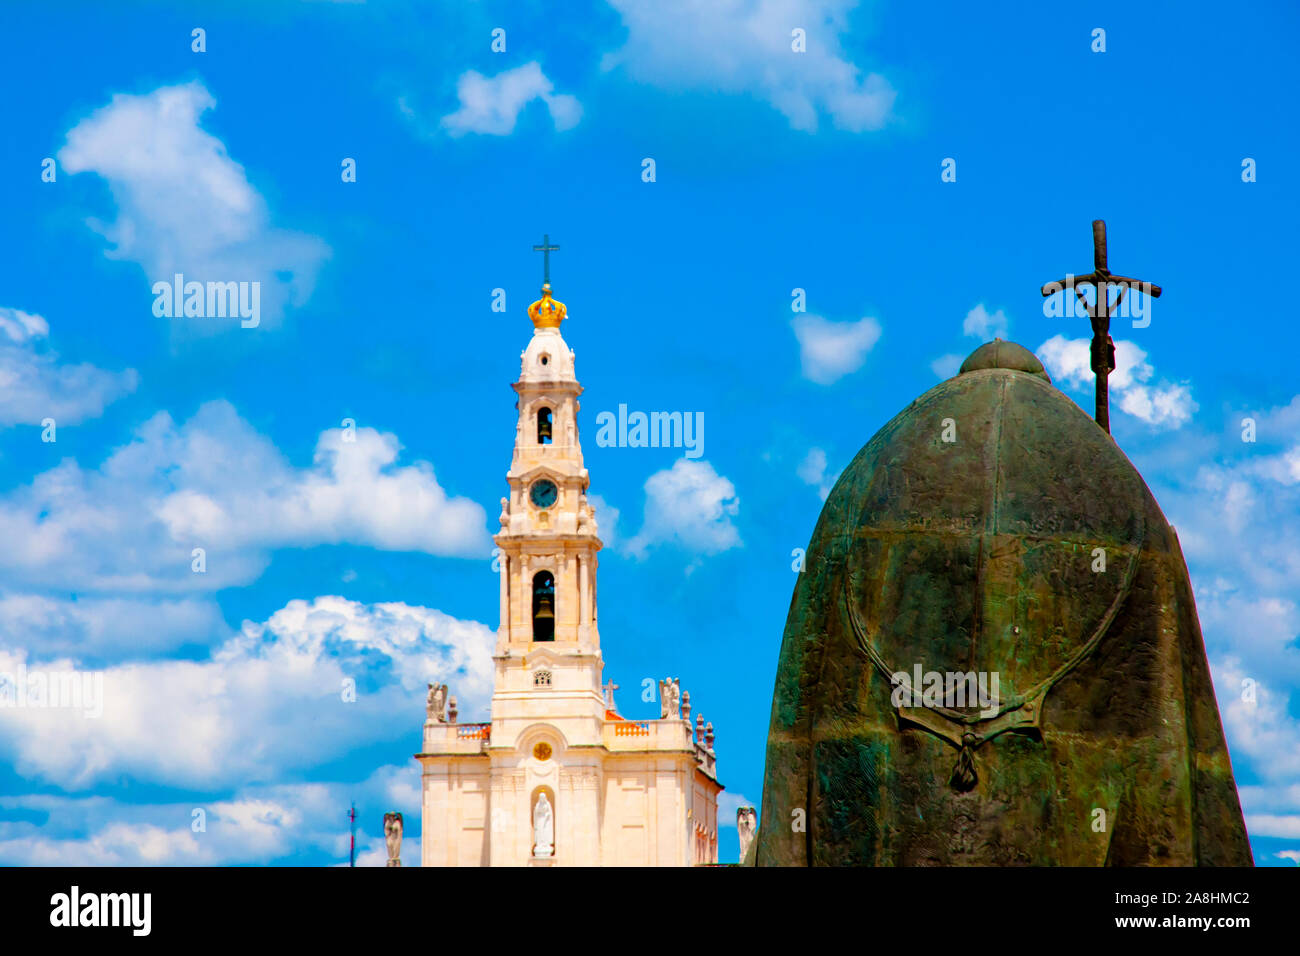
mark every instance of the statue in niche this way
{"type": "Point", "coordinates": [543, 828]}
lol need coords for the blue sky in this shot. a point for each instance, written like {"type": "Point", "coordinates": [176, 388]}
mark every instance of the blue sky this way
{"type": "Point", "coordinates": [774, 171]}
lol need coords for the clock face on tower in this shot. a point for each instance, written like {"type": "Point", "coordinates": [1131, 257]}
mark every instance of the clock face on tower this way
{"type": "Point", "coordinates": [543, 493]}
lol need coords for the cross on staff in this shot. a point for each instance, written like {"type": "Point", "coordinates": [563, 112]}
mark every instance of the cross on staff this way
{"type": "Point", "coordinates": [1101, 279]}
{"type": "Point", "coordinates": [546, 249]}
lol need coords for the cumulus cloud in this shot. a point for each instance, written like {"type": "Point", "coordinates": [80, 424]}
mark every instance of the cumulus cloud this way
{"type": "Point", "coordinates": [745, 47]}
{"type": "Point", "coordinates": [830, 350]}
{"type": "Point", "coordinates": [92, 628]}
{"type": "Point", "coordinates": [946, 366]}
{"type": "Point", "coordinates": [1254, 499]}
{"type": "Point", "coordinates": [690, 505]}
{"type": "Point", "coordinates": [1235, 507]}
{"type": "Point", "coordinates": [1260, 729]}
{"type": "Point", "coordinates": [1169, 404]}
{"type": "Point", "coordinates": [812, 471]}
{"type": "Point", "coordinates": [728, 804]}
{"type": "Point", "coordinates": [215, 483]}
{"type": "Point", "coordinates": [1283, 468]}
{"type": "Point", "coordinates": [35, 385]}
{"type": "Point", "coordinates": [1282, 422]}
{"type": "Point", "coordinates": [491, 104]}
{"type": "Point", "coordinates": [1163, 405]}
{"type": "Point", "coordinates": [267, 702]}
{"type": "Point", "coordinates": [183, 205]}
{"type": "Point", "coordinates": [257, 824]}
{"type": "Point", "coordinates": [982, 325]}
{"type": "Point", "coordinates": [606, 519]}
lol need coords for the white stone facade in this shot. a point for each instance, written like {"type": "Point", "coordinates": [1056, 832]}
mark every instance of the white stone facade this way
{"type": "Point", "coordinates": [620, 792]}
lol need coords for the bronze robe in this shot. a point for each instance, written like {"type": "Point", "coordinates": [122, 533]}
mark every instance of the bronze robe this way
{"type": "Point", "coordinates": [979, 555]}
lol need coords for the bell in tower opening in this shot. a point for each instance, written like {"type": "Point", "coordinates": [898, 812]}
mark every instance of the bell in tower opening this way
{"type": "Point", "coordinates": [543, 606]}
{"type": "Point", "coordinates": [544, 426]}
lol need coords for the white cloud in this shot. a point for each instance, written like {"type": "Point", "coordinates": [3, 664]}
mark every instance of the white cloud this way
{"type": "Point", "coordinates": [1260, 729]}
{"type": "Point", "coordinates": [1235, 512]}
{"type": "Point", "coordinates": [34, 385]}
{"type": "Point", "coordinates": [946, 366]}
{"type": "Point", "coordinates": [1280, 422]}
{"type": "Point", "coordinates": [812, 471]}
{"type": "Point", "coordinates": [606, 519]}
{"type": "Point", "coordinates": [1167, 405]}
{"type": "Point", "coordinates": [256, 824]}
{"type": "Point", "coordinates": [691, 505]}
{"type": "Point", "coordinates": [117, 844]}
{"type": "Point", "coordinates": [830, 350]}
{"type": "Point", "coordinates": [108, 628]}
{"type": "Point", "coordinates": [1070, 363]}
{"type": "Point", "coordinates": [264, 704]}
{"type": "Point", "coordinates": [1273, 825]}
{"type": "Point", "coordinates": [491, 105]}
{"type": "Point", "coordinates": [728, 804]}
{"type": "Point", "coordinates": [979, 324]}
{"type": "Point", "coordinates": [1235, 515]}
{"type": "Point", "coordinates": [983, 326]}
{"type": "Point", "coordinates": [1263, 736]}
{"type": "Point", "coordinates": [183, 205]}
{"type": "Point", "coordinates": [1283, 468]}
{"type": "Point", "coordinates": [216, 483]}
{"type": "Point", "coordinates": [1260, 559]}
{"type": "Point", "coordinates": [745, 47]}
{"type": "Point", "coordinates": [1262, 629]}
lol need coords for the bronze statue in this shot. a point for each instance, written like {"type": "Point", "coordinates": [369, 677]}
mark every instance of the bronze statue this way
{"type": "Point", "coordinates": [993, 655]}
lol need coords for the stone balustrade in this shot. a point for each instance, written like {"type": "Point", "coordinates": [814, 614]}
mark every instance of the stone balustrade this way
{"type": "Point", "coordinates": [447, 738]}
{"type": "Point", "coordinates": [619, 736]}
{"type": "Point", "coordinates": [631, 728]}
{"type": "Point", "coordinates": [641, 735]}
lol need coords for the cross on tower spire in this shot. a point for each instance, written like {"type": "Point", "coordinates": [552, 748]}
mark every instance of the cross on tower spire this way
{"type": "Point", "coordinates": [546, 249]}
{"type": "Point", "coordinates": [1101, 279]}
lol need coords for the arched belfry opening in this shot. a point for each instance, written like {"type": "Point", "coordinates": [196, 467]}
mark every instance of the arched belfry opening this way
{"type": "Point", "coordinates": [543, 426]}
{"type": "Point", "coordinates": [543, 606]}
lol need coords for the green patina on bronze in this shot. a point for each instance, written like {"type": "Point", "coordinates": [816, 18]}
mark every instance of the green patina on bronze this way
{"type": "Point", "coordinates": [978, 555]}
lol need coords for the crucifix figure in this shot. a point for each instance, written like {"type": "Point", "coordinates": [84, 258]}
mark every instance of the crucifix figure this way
{"type": "Point", "coordinates": [609, 689]}
{"type": "Point", "coordinates": [546, 249]}
{"type": "Point", "coordinates": [1101, 279]}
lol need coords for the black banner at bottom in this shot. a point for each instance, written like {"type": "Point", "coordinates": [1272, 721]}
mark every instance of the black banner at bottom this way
{"type": "Point", "coordinates": [732, 903]}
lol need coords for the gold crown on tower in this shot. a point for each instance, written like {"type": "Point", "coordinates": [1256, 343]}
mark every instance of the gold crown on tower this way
{"type": "Point", "coordinates": [547, 312]}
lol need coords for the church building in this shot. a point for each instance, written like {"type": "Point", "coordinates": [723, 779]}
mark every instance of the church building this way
{"type": "Point", "coordinates": [557, 777]}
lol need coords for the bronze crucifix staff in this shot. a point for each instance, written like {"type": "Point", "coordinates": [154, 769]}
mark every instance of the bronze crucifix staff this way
{"type": "Point", "coordinates": [1103, 347]}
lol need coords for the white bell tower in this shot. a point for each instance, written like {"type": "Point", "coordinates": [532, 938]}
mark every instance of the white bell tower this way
{"type": "Point", "coordinates": [548, 537]}
{"type": "Point", "coordinates": [558, 777]}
